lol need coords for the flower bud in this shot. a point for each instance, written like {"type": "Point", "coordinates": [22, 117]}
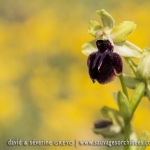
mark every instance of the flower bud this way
{"type": "Point", "coordinates": [143, 69]}
{"type": "Point", "coordinates": [102, 124]}
{"type": "Point", "coordinates": [106, 128]}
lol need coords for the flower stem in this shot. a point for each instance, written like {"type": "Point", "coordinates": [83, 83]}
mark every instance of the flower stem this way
{"type": "Point", "coordinates": [123, 85]}
{"type": "Point", "coordinates": [127, 135]}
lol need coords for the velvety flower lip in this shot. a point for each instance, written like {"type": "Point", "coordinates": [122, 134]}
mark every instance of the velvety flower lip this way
{"type": "Point", "coordinates": [102, 124]}
{"type": "Point", "coordinates": [104, 64]}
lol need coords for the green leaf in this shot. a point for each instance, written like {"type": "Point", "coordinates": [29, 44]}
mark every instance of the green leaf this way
{"type": "Point", "coordinates": [143, 138]}
{"type": "Point", "coordinates": [113, 115]}
{"type": "Point", "coordinates": [130, 81]}
{"type": "Point", "coordinates": [89, 48]}
{"type": "Point", "coordinates": [127, 49]}
{"type": "Point", "coordinates": [110, 131]}
{"type": "Point", "coordinates": [148, 91]}
{"type": "Point", "coordinates": [120, 32]}
{"type": "Point", "coordinates": [107, 19]}
{"type": "Point", "coordinates": [93, 27]}
{"type": "Point", "coordinates": [124, 106]}
{"type": "Point", "coordinates": [137, 96]}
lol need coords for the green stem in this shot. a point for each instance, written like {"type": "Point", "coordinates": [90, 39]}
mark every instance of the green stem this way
{"type": "Point", "coordinates": [127, 134]}
{"type": "Point", "coordinates": [123, 85]}
{"type": "Point", "coordinates": [127, 129]}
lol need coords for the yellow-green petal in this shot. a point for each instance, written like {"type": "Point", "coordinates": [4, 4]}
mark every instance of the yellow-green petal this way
{"type": "Point", "coordinates": [127, 49]}
{"type": "Point", "coordinates": [89, 47]}
{"type": "Point", "coordinates": [107, 20]}
{"type": "Point", "coordinates": [121, 31]}
{"type": "Point", "coordinates": [93, 27]}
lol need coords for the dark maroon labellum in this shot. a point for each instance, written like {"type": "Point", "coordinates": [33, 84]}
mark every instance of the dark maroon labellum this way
{"type": "Point", "coordinates": [104, 64]}
{"type": "Point", "coordinates": [102, 124]}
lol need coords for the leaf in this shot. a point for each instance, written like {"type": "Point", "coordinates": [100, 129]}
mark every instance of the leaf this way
{"type": "Point", "coordinates": [137, 96]}
{"type": "Point", "coordinates": [130, 81]}
{"type": "Point", "coordinates": [121, 31]}
{"type": "Point", "coordinates": [124, 106]}
{"type": "Point", "coordinates": [127, 49]}
{"type": "Point", "coordinates": [143, 138]}
{"type": "Point", "coordinates": [113, 115]}
{"type": "Point", "coordinates": [107, 20]}
{"type": "Point", "coordinates": [93, 27]}
{"type": "Point", "coordinates": [89, 48]}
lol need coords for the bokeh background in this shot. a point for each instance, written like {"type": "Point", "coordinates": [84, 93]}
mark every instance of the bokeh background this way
{"type": "Point", "coordinates": [45, 90]}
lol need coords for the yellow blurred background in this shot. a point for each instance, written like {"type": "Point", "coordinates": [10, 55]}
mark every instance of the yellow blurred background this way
{"type": "Point", "coordinates": [45, 89]}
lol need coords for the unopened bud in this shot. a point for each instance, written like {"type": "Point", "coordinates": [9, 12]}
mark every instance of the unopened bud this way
{"type": "Point", "coordinates": [143, 69]}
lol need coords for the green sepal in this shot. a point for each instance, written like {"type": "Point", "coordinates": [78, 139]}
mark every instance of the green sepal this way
{"type": "Point", "coordinates": [137, 96]}
{"type": "Point", "coordinates": [89, 48]}
{"type": "Point", "coordinates": [120, 32]}
{"type": "Point", "coordinates": [113, 115]}
{"type": "Point", "coordinates": [107, 20]}
{"type": "Point", "coordinates": [127, 49]}
{"type": "Point", "coordinates": [124, 106]}
{"type": "Point", "coordinates": [143, 137]}
{"type": "Point", "coordinates": [108, 132]}
{"type": "Point", "coordinates": [130, 81]}
{"type": "Point", "coordinates": [93, 27]}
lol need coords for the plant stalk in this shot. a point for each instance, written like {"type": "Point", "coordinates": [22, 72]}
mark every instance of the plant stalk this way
{"type": "Point", "coordinates": [127, 135]}
{"type": "Point", "coordinates": [123, 86]}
